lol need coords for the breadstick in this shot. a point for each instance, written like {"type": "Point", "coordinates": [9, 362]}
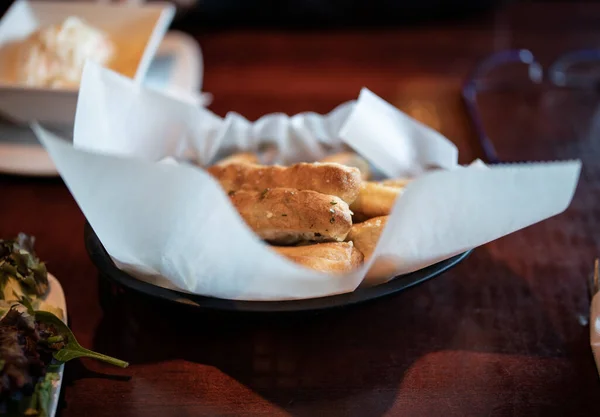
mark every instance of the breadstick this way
{"type": "Point", "coordinates": [240, 157]}
{"type": "Point", "coordinates": [338, 257]}
{"type": "Point", "coordinates": [365, 235]}
{"type": "Point", "coordinates": [329, 178]}
{"type": "Point", "coordinates": [285, 216]}
{"type": "Point", "coordinates": [374, 199]}
{"type": "Point", "coordinates": [351, 159]}
{"type": "Point", "coordinates": [397, 182]}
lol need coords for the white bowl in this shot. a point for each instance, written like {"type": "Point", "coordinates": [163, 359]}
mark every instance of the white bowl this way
{"type": "Point", "coordinates": [137, 31]}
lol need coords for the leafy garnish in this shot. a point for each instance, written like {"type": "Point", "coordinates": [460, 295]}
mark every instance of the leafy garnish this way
{"type": "Point", "coordinates": [72, 349]}
{"type": "Point", "coordinates": [27, 303]}
{"type": "Point", "coordinates": [35, 341]}
{"type": "Point", "coordinates": [19, 262]}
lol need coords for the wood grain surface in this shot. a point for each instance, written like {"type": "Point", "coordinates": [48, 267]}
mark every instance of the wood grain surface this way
{"type": "Point", "coordinates": [503, 334]}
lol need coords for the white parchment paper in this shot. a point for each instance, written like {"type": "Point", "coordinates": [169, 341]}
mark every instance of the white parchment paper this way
{"type": "Point", "coordinates": [172, 224]}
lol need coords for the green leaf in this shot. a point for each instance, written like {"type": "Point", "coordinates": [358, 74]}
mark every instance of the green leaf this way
{"type": "Point", "coordinates": [72, 348]}
{"type": "Point", "coordinates": [19, 262]}
{"type": "Point", "coordinates": [26, 302]}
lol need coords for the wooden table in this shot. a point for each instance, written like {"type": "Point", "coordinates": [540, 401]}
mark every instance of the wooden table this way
{"type": "Point", "coordinates": [503, 334]}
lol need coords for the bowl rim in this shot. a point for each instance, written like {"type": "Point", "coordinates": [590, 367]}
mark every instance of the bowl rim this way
{"type": "Point", "coordinates": [108, 270]}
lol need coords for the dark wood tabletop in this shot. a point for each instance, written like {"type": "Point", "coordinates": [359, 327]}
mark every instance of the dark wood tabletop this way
{"type": "Point", "coordinates": [503, 334]}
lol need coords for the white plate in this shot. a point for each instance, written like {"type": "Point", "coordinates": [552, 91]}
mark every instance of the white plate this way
{"type": "Point", "coordinates": [56, 298]}
{"type": "Point", "coordinates": [177, 69]}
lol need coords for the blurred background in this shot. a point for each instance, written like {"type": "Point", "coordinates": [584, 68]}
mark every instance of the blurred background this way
{"type": "Point", "coordinates": [314, 13]}
{"type": "Point", "coordinates": [330, 13]}
{"type": "Point", "coordinates": [434, 59]}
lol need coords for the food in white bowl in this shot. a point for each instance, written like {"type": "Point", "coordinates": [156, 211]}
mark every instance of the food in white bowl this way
{"type": "Point", "coordinates": [54, 56]}
{"type": "Point", "coordinates": [44, 45]}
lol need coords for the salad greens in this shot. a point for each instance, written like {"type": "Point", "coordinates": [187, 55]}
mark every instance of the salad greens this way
{"type": "Point", "coordinates": [34, 339]}
{"type": "Point", "coordinates": [20, 269]}
{"type": "Point", "coordinates": [33, 345]}
{"type": "Point", "coordinates": [71, 349]}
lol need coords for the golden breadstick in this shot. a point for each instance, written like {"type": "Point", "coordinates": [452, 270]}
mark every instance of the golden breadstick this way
{"type": "Point", "coordinates": [374, 199]}
{"type": "Point", "coordinates": [365, 235]}
{"type": "Point", "coordinates": [240, 157]}
{"type": "Point", "coordinates": [286, 215]}
{"type": "Point", "coordinates": [397, 182]}
{"type": "Point", "coordinates": [351, 159]}
{"type": "Point", "coordinates": [338, 257]}
{"type": "Point", "coordinates": [330, 179]}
